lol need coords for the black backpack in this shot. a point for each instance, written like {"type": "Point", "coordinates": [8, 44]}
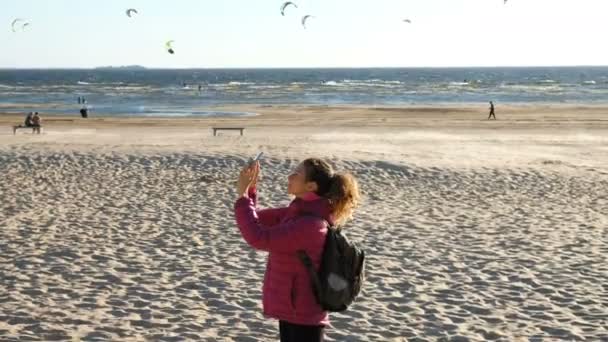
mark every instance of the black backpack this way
{"type": "Point", "coordinates": [341, 273]}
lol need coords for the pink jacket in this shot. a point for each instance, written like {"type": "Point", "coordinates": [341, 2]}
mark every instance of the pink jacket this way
{"type": "Point", "coordinates": [287, 291]}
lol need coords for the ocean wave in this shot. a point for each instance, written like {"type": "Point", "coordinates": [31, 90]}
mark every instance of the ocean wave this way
{"type": "Point", "coordinates": [217, 85]}
{"type": "Point", "coordinates": [370, 81]}
{"type": "Point", "coordinates": [332, 84]}
{"type": "Point", "coordinates": [549, 88]}
{"type": "Point", "coordinates": [459, 84]}
{"type": "Point", "coordinates": [11, 93]}
{"type": "Point", "coordinates": [354, 84]}
{"type": "Point", "coordinates": [235, 83]}
{"type": "Point", "coordinates": [371, 84]}
{"type": "Point", "coordinates": [267, 86]}
{"type": "Point", "coordinates": [131, 88]}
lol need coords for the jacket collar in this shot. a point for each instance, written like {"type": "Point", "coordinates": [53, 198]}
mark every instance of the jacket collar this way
{"type": "Point", "coordinates": [311, 204]}
{"type": "Point", "coordinates": [310, 196]}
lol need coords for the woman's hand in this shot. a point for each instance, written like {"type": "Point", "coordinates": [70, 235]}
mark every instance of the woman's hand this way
{"type": "Point", "coordinates": [247, 178]}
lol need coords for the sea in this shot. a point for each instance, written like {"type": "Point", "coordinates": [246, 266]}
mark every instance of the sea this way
{"type": "Point", "coordinates": [194, 92]}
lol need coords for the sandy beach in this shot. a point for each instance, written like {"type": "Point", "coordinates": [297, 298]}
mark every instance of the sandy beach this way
{"type": "Point", "coordinates": [122, 228]}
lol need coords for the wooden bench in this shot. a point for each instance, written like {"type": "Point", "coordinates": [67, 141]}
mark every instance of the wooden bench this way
{"type": "Point", "coordinates": [18, 127]}
{"type": "Point", "coordinates": [215, 129]}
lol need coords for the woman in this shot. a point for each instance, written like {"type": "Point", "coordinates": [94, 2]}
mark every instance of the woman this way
{"type": "Point", "coordinates": [322, 197]}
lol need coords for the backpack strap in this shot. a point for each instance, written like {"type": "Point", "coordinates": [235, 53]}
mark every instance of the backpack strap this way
{"type": "Point", "coordinates": [310, 268]}
{"type": "Point", "coordinates": [314, 277]}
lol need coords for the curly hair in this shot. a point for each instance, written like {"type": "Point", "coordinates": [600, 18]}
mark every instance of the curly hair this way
{"type": "Point", "coordinates": [341, 189]}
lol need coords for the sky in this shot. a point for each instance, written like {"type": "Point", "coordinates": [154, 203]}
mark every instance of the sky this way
{"type": "Point", "coordinates": [343, 33]}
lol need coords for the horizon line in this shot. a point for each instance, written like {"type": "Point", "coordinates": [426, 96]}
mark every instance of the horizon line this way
{"type": "Point", "coordinates": [303, 68]}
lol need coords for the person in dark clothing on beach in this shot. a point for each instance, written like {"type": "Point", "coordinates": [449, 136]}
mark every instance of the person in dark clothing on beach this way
{"type": "Point", "coordinates": [28, 120]}
{"type": "Point", "coordinates": [36, 123]}
{"type": "Point", "coordinates": [492, 114]}
{"type": "Point", "coordinates": [84, 112]}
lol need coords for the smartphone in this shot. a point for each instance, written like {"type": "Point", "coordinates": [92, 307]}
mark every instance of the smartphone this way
{"type": "Point", "coordinates": [258, 157]}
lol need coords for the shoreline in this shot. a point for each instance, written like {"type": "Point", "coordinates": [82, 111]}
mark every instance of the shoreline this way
{"type": "Point", "coordinates": [588, 117]}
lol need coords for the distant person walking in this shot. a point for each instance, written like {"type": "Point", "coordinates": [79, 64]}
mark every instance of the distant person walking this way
{"type": "Point", "coordinates": [492, 114]}
{"type": "Point", "coordinates": [84, 112]}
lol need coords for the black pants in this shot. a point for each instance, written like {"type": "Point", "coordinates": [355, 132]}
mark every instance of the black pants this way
{"type": "Point", "coordinates": [301, 333]}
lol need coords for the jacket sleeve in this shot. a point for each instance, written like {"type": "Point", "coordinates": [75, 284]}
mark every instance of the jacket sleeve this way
{"type": "Point", "coordinates": [267, 217]}
{"type": "Point", "coordinates": [284, 237]}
